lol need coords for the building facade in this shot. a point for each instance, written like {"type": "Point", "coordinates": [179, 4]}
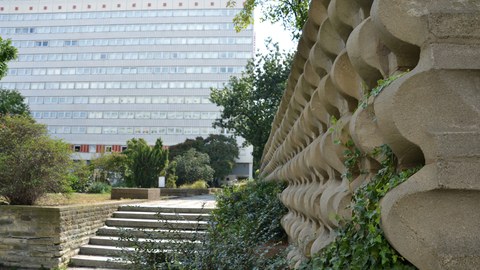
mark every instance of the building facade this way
{"type": "Point", "coordinates": [99, 73]}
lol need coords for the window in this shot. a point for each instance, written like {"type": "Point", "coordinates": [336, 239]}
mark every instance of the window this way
{"type": "Point", "coordinates": [76, 148]}
{"type": "Point", "coordinates": [94, 130]}
{"type": "Point", "coordinates": [126, 115]}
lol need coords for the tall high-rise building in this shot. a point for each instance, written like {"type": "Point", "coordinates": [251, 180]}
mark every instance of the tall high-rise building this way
{"type": "Point", "coordinates": [100, 72]}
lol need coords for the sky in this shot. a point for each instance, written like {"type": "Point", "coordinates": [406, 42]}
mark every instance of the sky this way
{"type": "Point", "coordinates": [264, 30]}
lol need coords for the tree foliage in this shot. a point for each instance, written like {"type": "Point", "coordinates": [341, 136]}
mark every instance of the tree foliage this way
{"type": "Point", "coordinates": [193, 166]}
{"type": "Point", "coordinates": [292, 14]}
{"type": "Point", "coordinates": [110, 168]}
{"type": "Point", "coordinates": [250, 101]}
{"type": "Point", "coordinates": [221, 150]}
{"type": "Point", "coordinates": [179, 149]}
{"type": "Point", "coordinates": [145, 163]}
{"type": "Point", "coordinates": [12, 102]}
{"type": "Point", "coordinates": [31, 163]}
{"type": "Point", "coordinates": [7, 53]}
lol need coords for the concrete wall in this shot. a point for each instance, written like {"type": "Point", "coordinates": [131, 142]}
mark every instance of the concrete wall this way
{"type": "Point", "coordinates": [429, 117]}
{"type": "Point", "coordinates": [34, 236]}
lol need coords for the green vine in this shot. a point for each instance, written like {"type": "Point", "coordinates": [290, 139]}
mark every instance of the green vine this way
{"type": "Point", "coordinates": [360, 243]}
{"type": "Point", "coordinates": [381, 84]}
{"type": "Point", "coordinates": [352, 159]}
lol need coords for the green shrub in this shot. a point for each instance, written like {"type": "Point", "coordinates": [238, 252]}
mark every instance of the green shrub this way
{"type": "Point", "coordinates": [99, 187]}
{"type": "Point", "coordinates": [193, 166]}
{"type": "Point", "coordinates": [79, 176]}
{"type": "Point", "coordinates": [199, 184]}
{"type": "Point", "coordinates": [31, 163]}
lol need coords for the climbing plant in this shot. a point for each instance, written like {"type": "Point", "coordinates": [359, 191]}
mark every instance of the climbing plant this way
{"type": "Point", "coordinates": [361, 243]}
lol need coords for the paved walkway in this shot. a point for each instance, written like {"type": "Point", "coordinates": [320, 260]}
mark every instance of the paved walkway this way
{"type": "Point", "coordinates": [205, 201]}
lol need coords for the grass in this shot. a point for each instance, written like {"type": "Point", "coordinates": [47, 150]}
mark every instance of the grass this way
{"type": "Point", "coordinates": [55, 199]}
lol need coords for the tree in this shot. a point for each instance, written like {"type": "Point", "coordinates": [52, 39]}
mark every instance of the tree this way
{"type": "Point", "coordinates": [179, 149]}
{"type": "Point", "coordinates": [109, 168]}
{"type": "Point", "coordinates": [250, 102]}
{"type": "Point", "coordinates": [145, 163]}
{"type": "Point", "coordinates": [291, 13]}
{"type": "Point", "coordinates": [12, 102]}
{"type": "Point", "coordinates": [31, 163]}
{"type": "Point", "coordinates": [7, 53]}
{"type": "Point", "coordinates": [222, 151]}
{"type": "Point", "coordinates": [193, 166]}
{"type": "Point", "coordinates": [171, 175]}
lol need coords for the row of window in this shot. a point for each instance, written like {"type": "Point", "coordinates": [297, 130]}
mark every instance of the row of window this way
{"type": "Point", "coordinates": [120, 100]}
{"type": "Point", "coordinates": [136, 41]}
{"type": "Point", "coordinates": [120, 14]}
{"type": "Point", "coordinates": [117, 28]}
{"type": "Point", "coordinates": [131, 56]}
{"type": "Point", "coordinates": [133, 130]}
{"type": "Point", "coordinates": [111, 85]}
{"type": "Point", "coordinates": [126, 115]}
{"type": "Point", "coordinates": [123, 70]}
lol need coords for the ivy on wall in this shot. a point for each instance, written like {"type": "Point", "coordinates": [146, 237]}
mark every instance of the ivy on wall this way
{"type": "Point", "coordinates": [361, 244]}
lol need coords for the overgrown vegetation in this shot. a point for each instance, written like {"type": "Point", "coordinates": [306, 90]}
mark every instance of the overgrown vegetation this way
{"type": "Point", "coordinates": [221, 150]}
{"type": "Point", "coordinates": [361, 243]}
{"type": "Point", "coordinates": [193, 166]}
{"type": "Point", "coordinates": [247, 230]}
{"type": "Point", "coordinates": [244, 233]}
{"type": "Point", "coordinates": [200, 184]}
{"type": "Point", "coordinates": [250, 101]}
{"type": "Point", "coordinates": [99, 187]}
{"type": "Point", "coordinates": [31, 163]}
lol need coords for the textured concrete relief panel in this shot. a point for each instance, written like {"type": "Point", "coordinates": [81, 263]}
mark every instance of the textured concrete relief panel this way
{"type": "Point", "coordinates": [430, 117]}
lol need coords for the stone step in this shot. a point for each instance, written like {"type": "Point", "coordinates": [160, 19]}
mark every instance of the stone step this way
{"type": "Point", "coordinates": [109, 251]}
{"type": "Point", "coordinates": [141, 208]}
{"type": "Point", "coordinates": [97, 262]}
{"type": "Point", "coordinates": [115, 241]}
{"type": "Point", "coordinates": [168, 224]}
{"type": "Point", "coordinates": [161, 216]}
{"type": "Point", "coordinates": [149, 233]}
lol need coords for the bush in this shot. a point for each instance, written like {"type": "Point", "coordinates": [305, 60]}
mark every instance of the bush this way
{"type": "Point", "coordinates": [193, 166]}
{"type": "Point", "coordinates": [99, 187]}
{"type": "Point", "coordinates": [199, 184]}
{"type": "Point", "coordinates": [79, 176]}
{"type": "Point", "coordinates": [31, 163]}
{"type": "Point", "coordinates": [109, 168]}
{"type": "Point", "coordinates": [247, 227]}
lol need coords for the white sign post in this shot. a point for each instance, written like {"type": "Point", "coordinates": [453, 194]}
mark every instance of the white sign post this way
{"type": "Point", "coordinates": [161, 181]}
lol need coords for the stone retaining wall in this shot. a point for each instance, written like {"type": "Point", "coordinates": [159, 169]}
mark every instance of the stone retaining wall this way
{"type": "Point", "coordinates": [34, 236]}
{"type": "Point", "coordinates": [429, 117]}
{"type": "Point", "coordinates": [135, 193]}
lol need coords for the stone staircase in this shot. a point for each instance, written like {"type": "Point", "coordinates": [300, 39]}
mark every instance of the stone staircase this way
{"type": "Point", "coordinates": [145, 224]}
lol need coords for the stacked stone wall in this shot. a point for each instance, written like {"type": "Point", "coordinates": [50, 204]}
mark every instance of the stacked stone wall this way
{"type": "Point", "coordinates": [35, 237]}
{"type": "Point", "coordinates": [429, 117]}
